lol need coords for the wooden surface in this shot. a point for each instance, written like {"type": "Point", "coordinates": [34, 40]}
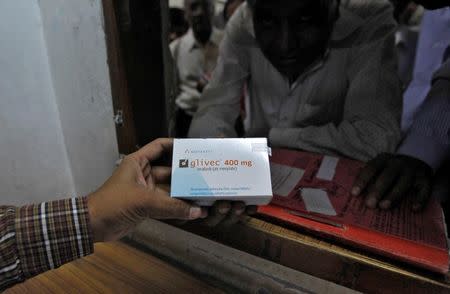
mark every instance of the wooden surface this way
{"type": "Point", "coordinates": [116, 268]}
{"type": "Point", "coordinates": [239, 271]}
{"type": "Point", "coordinates": [323, 258]}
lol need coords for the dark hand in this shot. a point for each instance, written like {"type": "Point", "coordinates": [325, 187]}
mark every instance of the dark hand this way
{"type": "Point", "coordinates": [201, 84]}
{"type": "Point", "coordinates": [227, 213]}
{"type": "Point", "coordinates": [388, 179]}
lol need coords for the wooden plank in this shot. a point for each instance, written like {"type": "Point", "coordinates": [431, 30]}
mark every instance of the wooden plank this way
{"type": "Point", "coordinates": [324, 259]}
{"type": "Point", "coordinates": [116, 268]}
{"type": "Point", "coordinates": [241, 271]}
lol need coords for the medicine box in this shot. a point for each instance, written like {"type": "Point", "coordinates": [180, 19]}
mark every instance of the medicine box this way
{"type": "Point", "coordinates": [207, 170]}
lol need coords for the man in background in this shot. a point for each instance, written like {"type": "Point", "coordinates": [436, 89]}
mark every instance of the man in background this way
{"type": "Point", "coordinates": [178, 25]}
{"type": "Point", "coordinates": [321, 77]}
{"type": "Point", "coordinates": [195, 56]}
{"type": "Point", "coordinates": [418, 167]}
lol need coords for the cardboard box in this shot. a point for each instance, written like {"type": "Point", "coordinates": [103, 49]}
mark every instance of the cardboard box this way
{"type": "Point", "coordinates": [207, 170]}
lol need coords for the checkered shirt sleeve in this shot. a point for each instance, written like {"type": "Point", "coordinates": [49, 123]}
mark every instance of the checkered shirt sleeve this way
{"type": "Point", "coordinates": [41, 237]}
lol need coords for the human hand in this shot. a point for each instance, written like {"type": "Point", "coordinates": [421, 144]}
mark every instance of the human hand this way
{"type": "Point", "coordinates": [133, 194]}
{"type": "Point", "coordinates": [201, 84]}
{"type": "Point", "coordinates": [227, 213]}
{"type": "Point", "coordinates": [389, 178]}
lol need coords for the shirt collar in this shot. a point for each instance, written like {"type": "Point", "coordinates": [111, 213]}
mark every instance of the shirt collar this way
{"type": "Point", "coordinates": [213, 39]}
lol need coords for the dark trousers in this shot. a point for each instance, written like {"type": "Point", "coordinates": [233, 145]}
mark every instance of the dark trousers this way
{"type": "Point", "coordinates": [182, 123]}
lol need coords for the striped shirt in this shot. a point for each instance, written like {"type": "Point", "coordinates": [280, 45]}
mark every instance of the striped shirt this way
{"type": "Point", "coordinates": [429, 136]}
{"type": "Point", "coordinates": [41, 237]}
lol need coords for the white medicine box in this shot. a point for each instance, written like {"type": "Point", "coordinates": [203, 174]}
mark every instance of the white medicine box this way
{"type": "Point", "coordinates": [206, 170]}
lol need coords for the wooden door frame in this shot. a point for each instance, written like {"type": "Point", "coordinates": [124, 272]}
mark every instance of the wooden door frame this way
{"type": "Point", "coordinates": [126, 132]}
{"type": "Point", "coordinates": [143, 120]}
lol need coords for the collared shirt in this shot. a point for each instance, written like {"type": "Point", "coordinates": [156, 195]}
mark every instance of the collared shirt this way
{"type": "Point", "coordinates": [434, 39]}
{"type": "Point", "coordinates": [349, 104]}
{"type": "Point", "coordinates": [37, 238]}
{"type": "Point", "coordinates": [194, 61]}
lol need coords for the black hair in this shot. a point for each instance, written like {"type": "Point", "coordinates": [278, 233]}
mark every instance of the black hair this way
{"type": "Point", "coordinates": [178, 23]}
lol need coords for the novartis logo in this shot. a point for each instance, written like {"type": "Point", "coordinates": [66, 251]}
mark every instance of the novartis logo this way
{"type": "Point", "coordinates": [188, 151]}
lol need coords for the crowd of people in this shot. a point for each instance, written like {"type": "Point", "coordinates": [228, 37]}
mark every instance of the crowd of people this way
{"type": "Point", "coordinates": [355, 78]}
{"type": "Point", "coordinates": [314, 75]}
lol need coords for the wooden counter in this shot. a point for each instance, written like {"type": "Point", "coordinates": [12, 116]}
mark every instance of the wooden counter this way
{"type": "Point", "coordinates": [116, 268]}
{"type": "Point", "coordinates": [321, 264]}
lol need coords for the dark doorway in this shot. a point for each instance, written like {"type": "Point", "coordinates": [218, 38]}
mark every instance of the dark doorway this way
{"type": "Point", "coordinates": [137, 53]}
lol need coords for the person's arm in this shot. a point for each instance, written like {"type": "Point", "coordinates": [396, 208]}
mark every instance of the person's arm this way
{"type": "Point", "coordinates": [219, 104]}
{"type": "Point", "coordinates": [184, 91]}
{"type": "Point", "coordinates": [428, 138]}
{"type": "Point", "coordinates": [372, 110]}
{"type": "Point", "coordinates": [37, 238]}
{"type": "Point", "coordinates": [390, 178]}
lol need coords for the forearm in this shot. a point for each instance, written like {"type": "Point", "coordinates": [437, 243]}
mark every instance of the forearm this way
{"type": "Point", "coordinates": [428, 137]}
{"type": "Point", "coordinates": [218, 110]}
{"type": "Point", "coordinates": [213, 122]}
{"type": "Point", "coordinates": [37, 238]}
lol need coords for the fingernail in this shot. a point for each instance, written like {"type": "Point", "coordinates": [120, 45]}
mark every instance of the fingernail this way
{"type": "Point", "coordinates": [371, 202]}
{"type": "Point", "coordinates": [195, 212]}
{"type": "Point", "coordinates": [385, 204]}
{"type": "Point", "coordinates": [356, 191]}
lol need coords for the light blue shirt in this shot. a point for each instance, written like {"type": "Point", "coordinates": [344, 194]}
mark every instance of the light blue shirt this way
{"type": "Point", "coordinates": [434, 39]}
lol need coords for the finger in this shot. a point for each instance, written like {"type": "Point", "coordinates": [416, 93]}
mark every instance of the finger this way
{"type": "Point", "coordinates": [161, 174]}
{"type": "Point", "coordinates": [146, 170]}
{"type": "Point", "coordinates": [368, 172]}
{"type": "Point", "coordinates": [383, 183]}
{"type": "Point", "coordinates": [399, 191]}
{"type": "Point", "coordinates": [218, 212]}
{"type": "Point", "coordinates": [423, 192]}
{"type": "Point", "coordinates": [237, 210]}
{"type": "Point", "coordinates": [154, 150]}
{"type": "Point", "coordinates": [143, 178]}
{"type": "Point", "coordinates": [170, 208]}
{"type": "Point", "coordinates": [181, 222]}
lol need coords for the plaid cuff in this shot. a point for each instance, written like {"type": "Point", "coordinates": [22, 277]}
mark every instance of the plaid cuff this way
{"type": "Point", "coordinates": [10, 271]}
{"type": "Point", "coordinates": [51, 234]}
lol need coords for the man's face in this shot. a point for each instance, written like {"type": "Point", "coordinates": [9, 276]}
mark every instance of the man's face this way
{"type": "Point", "coordinates": [292, 34]}
{"type": "Point", "coordinates": [198, 14]}
{"type": "Point", "coordinates": [433, 4]}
